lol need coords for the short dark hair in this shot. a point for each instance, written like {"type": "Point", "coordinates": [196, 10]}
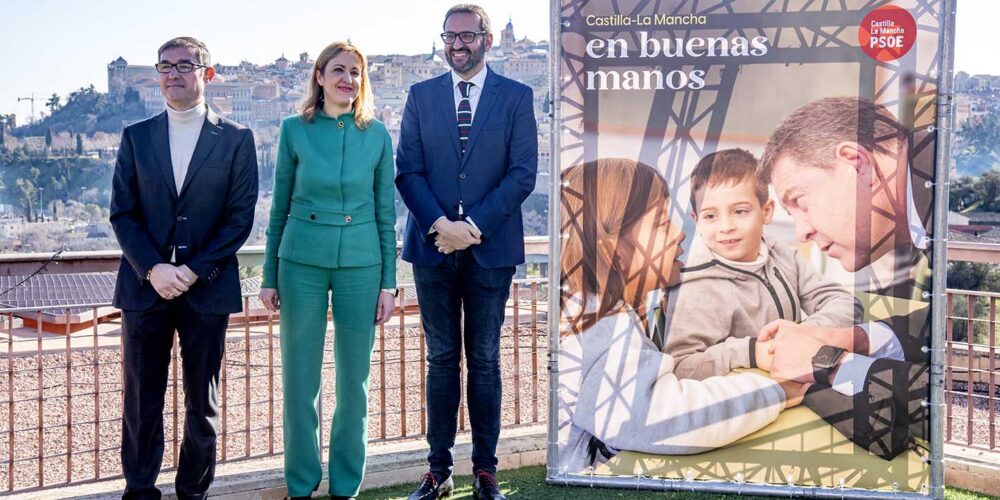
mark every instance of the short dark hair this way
{"type": "Point", "coordinates": [470, 8]}
{"type": "Point", "coordinates": [810, 133]}
{"type": "Point", "coordinates": [196, 46]}
{"type": "Point", "coordinates": [729, 166]}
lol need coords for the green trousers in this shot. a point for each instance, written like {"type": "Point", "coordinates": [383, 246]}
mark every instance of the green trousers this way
{"type": "Point", "coordinates": [306, 293]}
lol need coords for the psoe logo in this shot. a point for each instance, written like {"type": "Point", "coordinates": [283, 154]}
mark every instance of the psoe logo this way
{"type": "Point", "coordinates": [887, 33]}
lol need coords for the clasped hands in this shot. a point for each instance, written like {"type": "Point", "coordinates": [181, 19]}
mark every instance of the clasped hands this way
{"type": "Point", "coordinates": [786, 349]}
{"type": "Point", "coordinates": [455, 235]}
{"type": "Point", "coordinates": [171, 281]}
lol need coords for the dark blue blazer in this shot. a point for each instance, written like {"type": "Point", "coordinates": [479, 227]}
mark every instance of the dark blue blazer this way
{"type": "Point", "coordinates": [206, 224]}
{"type": "Point", "coordinates": [496, 174]}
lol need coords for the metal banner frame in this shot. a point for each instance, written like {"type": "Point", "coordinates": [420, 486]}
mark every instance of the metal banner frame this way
{"type": "Point", "coordinates": [944, 75]}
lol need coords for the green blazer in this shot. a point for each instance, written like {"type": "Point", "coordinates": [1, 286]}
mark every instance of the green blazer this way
{"type": "Point", "coordinates": [333, 203]}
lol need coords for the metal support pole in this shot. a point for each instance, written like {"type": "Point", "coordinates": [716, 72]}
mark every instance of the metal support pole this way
{"type": "Point", "coordinates": [555, 270]}
{"type": "Point", "coordinates": [945, 108]}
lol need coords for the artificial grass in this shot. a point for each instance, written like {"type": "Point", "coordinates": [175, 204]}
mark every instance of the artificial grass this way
{"type": "Point", "coordinates": [528, 483]}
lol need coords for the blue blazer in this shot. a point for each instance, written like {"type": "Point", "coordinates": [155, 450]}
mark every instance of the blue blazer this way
{"type": "Point", "coordinates": [496, 174]}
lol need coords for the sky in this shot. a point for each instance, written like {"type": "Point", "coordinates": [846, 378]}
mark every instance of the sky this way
{"type": "Point", "coordinates": [62, 45]}
{"type": "Point", "coordinates": [57, 46]}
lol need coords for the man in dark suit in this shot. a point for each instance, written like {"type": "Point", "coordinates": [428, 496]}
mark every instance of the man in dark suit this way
{"type": "Point", "coordinates": [467, 159]}
{"type": "Point", "coordinates": [854, 181]}
{"type": "Point", "coordinates": [182, 204]}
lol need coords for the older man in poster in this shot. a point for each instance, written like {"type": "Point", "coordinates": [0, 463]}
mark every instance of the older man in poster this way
{"type": "Point", "coordinates": [870, 379]}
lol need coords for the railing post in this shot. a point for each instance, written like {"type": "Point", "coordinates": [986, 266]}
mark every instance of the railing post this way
{"type": "Point", "coordinates": [246, 359]}
{"type": "Point", "coordinates": [949, 366]}
{"type": "Point", "coordinates": [402, 372]}
{"type": "Point", "coordinates": [534, 352]}
{"type": "Point", "coordinates": [991, 390]}
{"type": "Point", "coordinates": [41, 408]}
{"type": "Point", "coordinates": [69, 397]}
{"type": "Point", "coordinates": [97, 398]}
{"type": "Point", "coordinates": [381, 390]}
{"type": "Point", "coordinates": [10, 399]}
{"type": "Point", "coordinates": [517, 354]}
{"type": "Point", "coordinates": [270, 382]}
{"type": "Point", "coordinates": [970, 340]}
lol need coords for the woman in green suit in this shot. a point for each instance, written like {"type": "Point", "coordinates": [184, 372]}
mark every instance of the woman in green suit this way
{"type": "Point", "coordinates": [330, 238]}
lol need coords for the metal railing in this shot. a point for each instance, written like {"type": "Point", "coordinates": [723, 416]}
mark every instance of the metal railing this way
{"type": "Point", "coordinates": [61, 391]}
{"type": "Point", "coordinates": [972, 397]}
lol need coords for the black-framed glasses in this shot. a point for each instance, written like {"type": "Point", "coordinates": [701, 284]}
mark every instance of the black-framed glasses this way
{"type": "Point", "coordinates": [465, 36]}
{"type": "Point", "coordinates": [182, 67]}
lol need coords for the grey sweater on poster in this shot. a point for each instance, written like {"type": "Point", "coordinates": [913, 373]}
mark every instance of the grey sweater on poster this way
{"type": "Point", "coordinates": [720, 306]}
{"type": "Point", "coordinates": [615, 385]}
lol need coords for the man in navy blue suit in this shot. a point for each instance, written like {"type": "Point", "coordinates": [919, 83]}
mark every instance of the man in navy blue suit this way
{"type": "Point", "coordinates": [467, 159]}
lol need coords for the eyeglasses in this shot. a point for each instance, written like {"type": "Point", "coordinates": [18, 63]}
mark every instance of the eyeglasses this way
{"type": "Point", "coordinates": [465, 36]}
{"type": "Point", "coordinates": [182, 67]}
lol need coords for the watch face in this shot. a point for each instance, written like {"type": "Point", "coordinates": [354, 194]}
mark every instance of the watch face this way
{"type": "Point", "coordinates": [827, 356]}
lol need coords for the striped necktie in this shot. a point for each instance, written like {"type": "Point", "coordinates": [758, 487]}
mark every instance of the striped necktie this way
{"type": "Point", "coordinates": [464, 114]}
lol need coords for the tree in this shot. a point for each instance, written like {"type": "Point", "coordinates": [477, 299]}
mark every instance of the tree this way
{"type": "Point", "coordinates": [536, 209]}
{"type": "Point", "coordinates": [28, 191]}
{"type": "Point", "coordinates": [980, 193]}
{"type": "Point", "coordinates": [973, 276]}
{"type": "Point", "coordinates": [41, 239]}
{"type": "Point", "coordinates": [988, 190]}
{"type": "Point", "coordinates": [962, 193]}
{"type": "Point", "coordinates": [95, 212]}
{"type": "Point", "coordinates": [79, 145]}
{"type": "Point", "coordinates": [48, 138]}
{"type": "Point", "coordinates": [131, 96]}
{"type": "Point", "coordinates": [53, 103]}
{"type": "Point", "coordinates": [979, 144]}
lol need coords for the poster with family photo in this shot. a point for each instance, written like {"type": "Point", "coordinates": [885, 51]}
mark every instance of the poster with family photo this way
{"type": "Point", "coordinates": [745, 234]}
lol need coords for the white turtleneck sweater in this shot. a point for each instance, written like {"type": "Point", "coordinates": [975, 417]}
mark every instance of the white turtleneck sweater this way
{"type": "Point", "coordinates": [183, 129]}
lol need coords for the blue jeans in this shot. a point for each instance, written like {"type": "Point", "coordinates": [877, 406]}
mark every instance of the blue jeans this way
{"type": "Point", "coordinates": [442, 292]}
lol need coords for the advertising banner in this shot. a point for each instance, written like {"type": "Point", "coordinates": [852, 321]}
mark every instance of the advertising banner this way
{"type": "Point", "coordinates": [744, 244]}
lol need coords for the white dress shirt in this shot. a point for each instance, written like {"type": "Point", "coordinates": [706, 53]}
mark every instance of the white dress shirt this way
{"type": "Point", "coordinates": [478, 80]}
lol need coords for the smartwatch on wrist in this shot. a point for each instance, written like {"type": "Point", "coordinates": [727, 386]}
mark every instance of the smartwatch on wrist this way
{"type": "Point", "coordinates": [824, 361]}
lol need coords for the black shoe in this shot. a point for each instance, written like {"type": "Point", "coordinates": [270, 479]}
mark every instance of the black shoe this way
{"type": "Point", "coordinates": [484, 487]}
{"type": "Point", "coordinates": [430, 488]}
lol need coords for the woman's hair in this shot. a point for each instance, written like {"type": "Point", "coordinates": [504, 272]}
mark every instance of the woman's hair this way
{"type": "Point", "coordinates": [364, 104]}
{"type": "Point", "coordinates": [602, 203]}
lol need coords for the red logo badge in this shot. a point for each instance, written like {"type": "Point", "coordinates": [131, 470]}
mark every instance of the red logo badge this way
{"type": "Point", "coordinates": [887, 33]}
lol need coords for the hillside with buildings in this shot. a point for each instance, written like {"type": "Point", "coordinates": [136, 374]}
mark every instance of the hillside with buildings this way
{"type": "Point", "coordinates": [59, 167]}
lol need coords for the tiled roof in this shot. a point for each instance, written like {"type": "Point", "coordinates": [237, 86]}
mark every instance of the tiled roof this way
{"type": "Point", "coordinates": [983, 217]}
{"type": "Point", "coordinates": [47, 290]}
{"type": "Point", "coordinates": [57, 290]}
{"type": "Point", "coordinates": [991, 236]}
